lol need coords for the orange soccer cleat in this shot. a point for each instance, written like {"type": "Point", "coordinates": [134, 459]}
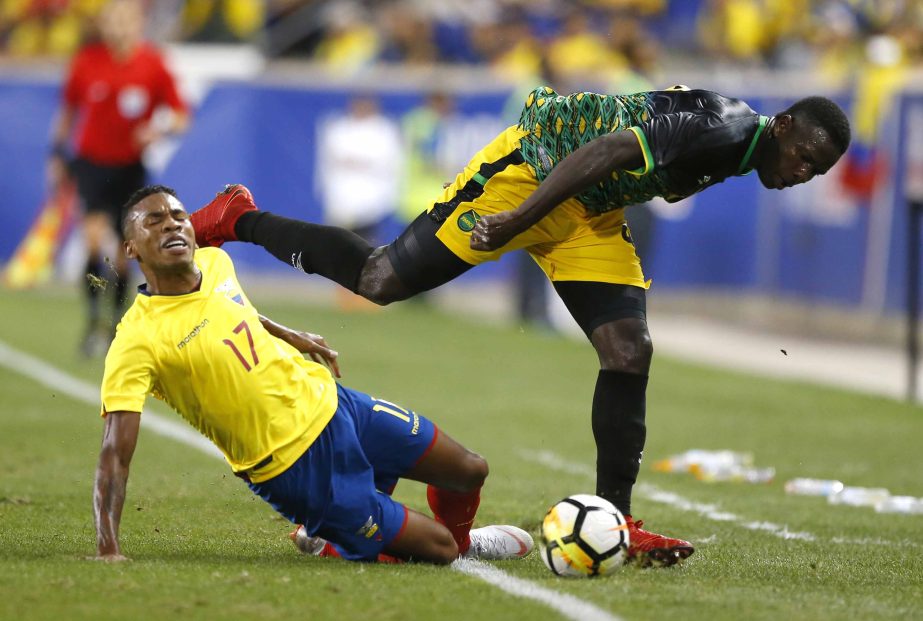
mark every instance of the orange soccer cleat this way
{"type": "Point", "coordinates": [651, 549]}
{"type": "Point", "coordinates": [214, 223]}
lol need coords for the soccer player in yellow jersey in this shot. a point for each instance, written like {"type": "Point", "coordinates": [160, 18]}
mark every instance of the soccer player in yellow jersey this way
{"type": "Point", "coordinates": [557, 184]}
{"type": "Point", "coordinates": [324, 456]}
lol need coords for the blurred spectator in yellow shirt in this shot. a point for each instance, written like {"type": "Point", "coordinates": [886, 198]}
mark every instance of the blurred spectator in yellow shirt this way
{"type": "Point", "coordinates": [733, 29]}
{"type": "Point", "coordinates": [579, 52]}
{"type": "Point", "coordinates": [46, 27]}
{"type": "Point", "coordinates": [351, 41]}
{"type": "Point", "coordinates": [222, 21]}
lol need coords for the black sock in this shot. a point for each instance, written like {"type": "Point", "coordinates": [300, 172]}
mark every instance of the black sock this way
{"type": "Point", "coordinates": [618, 426]}
{"type": "Point", "coordinates": [334, 253]}
{"type": "Point", "coordinates": [95, 286]}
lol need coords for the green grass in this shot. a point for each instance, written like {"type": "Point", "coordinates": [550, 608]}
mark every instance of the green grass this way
{"type": "Point", "coordinates": [203, 546]}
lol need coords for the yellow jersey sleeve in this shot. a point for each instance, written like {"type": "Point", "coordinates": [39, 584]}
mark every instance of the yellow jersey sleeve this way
{"type": "Point", "coordinates": [129, 373]}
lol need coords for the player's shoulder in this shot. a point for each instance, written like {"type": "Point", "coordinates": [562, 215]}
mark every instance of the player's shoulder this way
{"type": "Point", "coordinates": [704, 110]}
{"type": "Point", "coordinates": [209, 256]}
{"type": "Point", "coordinates": [132, 334]}
{"type": "Point", "coordinates": [216, 265]}
{"type": "Point", "coordinates": [135, 316]}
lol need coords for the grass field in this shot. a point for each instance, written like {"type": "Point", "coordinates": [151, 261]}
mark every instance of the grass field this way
{"type": "Point", "coordinates": [204, 547]}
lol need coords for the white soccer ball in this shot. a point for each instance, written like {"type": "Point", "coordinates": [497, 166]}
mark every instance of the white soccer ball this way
{"type": "Point", "coordinates": [584, 535]}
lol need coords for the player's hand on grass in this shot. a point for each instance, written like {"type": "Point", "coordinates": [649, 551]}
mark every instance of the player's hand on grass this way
{"type": "Point", "coordinates": [315, 346]}
{"type": "Point", "coordinates": [495, 231]}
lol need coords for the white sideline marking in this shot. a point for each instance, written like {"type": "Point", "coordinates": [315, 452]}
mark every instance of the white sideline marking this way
{"type": "Point", "coordinates": [706, 510]}
{"type": "Point", "coordinates": [57, 380]}
{"type": "Point", "coordinates": [568, 605]}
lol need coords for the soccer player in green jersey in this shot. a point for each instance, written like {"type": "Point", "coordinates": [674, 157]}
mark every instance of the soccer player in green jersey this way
{"type": "Point", "coordinates": [557, 184]}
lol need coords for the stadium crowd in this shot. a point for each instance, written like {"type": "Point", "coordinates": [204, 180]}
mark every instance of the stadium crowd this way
{"type": "Point", "coordinates": [512, 36]}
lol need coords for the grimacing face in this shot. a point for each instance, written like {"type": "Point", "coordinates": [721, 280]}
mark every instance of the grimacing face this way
{"type": "Point", "coordinates": [159, 233]}
{"type": "Point", "coordinates": [799, 152]}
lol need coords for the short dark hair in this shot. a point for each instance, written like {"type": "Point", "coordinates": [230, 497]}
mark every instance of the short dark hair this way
{"type": "Point", "coordinates": [136, 198]}
{"type": "Point", "coordinates": [823, 113]}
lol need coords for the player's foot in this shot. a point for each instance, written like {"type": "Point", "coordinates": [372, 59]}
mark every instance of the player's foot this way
{"type": "Point", "coordinates": [312, 546]}
{"type": "Point", "coordinates": [650, 549]}
{"type": "Point", "coordinates": [499, 543]}
{"type": "Point", "coordinates": [214, 223]}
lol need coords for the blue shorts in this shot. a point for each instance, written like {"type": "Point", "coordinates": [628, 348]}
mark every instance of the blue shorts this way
{"type": "Point", "coordinates": [339, 489]}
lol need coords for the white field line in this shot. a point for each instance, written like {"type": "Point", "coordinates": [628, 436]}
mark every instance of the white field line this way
{"type": "Point", "coordinates": [58, 381]}
{"type": "Point", "coordinates": [568, 605]}
{"type": "Point", "coordinates": [709, 511]}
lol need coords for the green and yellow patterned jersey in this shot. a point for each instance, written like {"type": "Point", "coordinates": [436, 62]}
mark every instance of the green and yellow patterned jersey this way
{"type": "Point", "coordinates": [691, 139]}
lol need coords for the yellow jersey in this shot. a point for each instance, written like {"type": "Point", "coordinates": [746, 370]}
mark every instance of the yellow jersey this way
{"type": "Point", "coordinates": [207, 356]}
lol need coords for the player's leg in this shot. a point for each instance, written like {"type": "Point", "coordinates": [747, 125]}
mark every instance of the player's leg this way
{"type": "Point", "coordinates": [330, 490]}
{"type": "Point", "coordinates": [433, 250]}
{"type": "Point", "coordinates": [126, 180]}
{"type": "Point", "coordinates": [613, 317]}
{"type": "Point", "coordinates": [597, 274]}
{"type": "Point", "coordinates": [347, 259]}
{"type": "Point", "coordinates": [96, 228]}
{"type": "Point", "coordinates": [399, 443]}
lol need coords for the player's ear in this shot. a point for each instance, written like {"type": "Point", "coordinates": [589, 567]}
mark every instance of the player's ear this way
{"type": "Point", "coordinates": [783, 124]}
{"type": "Point", "coordinates": [130, 251]}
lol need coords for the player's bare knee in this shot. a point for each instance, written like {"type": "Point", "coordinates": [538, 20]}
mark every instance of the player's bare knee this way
{"type": "Point", "coordinates": [627, 350]}
{"type": "Point", "coordinates": [468, 474]}
{"type": "Point", "coordinates": [378, 283]}
{"type": "Point", "coordinates": [476, 471]}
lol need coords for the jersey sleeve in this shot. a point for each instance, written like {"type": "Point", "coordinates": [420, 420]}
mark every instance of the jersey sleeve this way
{"type": "Point", "coordinates": [129, 374]}
{"type": "Point", "coordinates": [665, 138]}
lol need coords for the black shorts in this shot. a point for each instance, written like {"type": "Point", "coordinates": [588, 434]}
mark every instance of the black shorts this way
{"type": "Point", "coordinates": [106, 188]}
{"type": "Point", "coordinates": [422, 262]}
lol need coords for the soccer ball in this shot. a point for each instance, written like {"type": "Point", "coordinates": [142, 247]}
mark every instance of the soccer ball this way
{"type": "Point", "coordinates": [584, 535]}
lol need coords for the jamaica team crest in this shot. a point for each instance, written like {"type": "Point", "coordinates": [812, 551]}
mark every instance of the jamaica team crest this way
{"type": "Point", "coordinates": [468, 220]}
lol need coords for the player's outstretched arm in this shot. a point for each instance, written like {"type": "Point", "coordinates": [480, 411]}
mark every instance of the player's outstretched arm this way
{"type": "Point", "coordinates": [592, 163]}
{"type": "Point", "coordinates": [314, 345]}
{"type": "Point", "coordinates": [120, 435]}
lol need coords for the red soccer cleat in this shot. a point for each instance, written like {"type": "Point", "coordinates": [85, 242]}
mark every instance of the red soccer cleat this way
{"type": "Point", "coordinates": [651, 549]}
{"type": "Point", "coordinates": [214, 223]}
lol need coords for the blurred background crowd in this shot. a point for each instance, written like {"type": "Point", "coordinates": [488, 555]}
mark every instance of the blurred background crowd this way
{"type": "Point", "coordinates": [514, 37]}
{"type": "Point", "coordinates": [368, 106]}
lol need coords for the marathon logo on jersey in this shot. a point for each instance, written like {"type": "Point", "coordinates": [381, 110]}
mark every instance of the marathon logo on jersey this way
{"type": "Point", "coordinates": [193, 334]}
{"type": "Point", "coordinates": [468, 220]}
{"type": "Point", "coordinates": [228, 289]}
{"type": "Point", "coordinates": [369, 529]}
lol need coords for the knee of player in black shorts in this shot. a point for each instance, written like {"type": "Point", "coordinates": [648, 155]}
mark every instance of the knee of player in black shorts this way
{"type": "Point", "coordinates": [379, 283]}
{"type": "Point", "coordinates": [624, 345]}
